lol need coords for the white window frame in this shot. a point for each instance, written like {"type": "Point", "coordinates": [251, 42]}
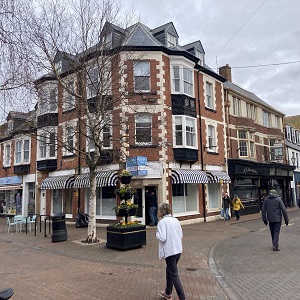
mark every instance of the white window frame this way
{"type": "Point", "coordinates": [246, 144]}
{"type": "Point", "coordinates": [69, 140]}
{"type": "Point", "coordinates": [141, 71]}
{"type": "Point", "coordinates": [186, 133]}
{"type": "Point", "coordinates": [293, 135]}
{"type": "Point", "coordinates": [92, 82]}
{"type": "Point", "coordinates": [21, 153]}
{"type": "Point", "coordinates": [171, 40]}
{"type": "Point", "coordinates": [266, 119]}
{"type": "Point", "coordinates": [47, 98]}
{"type": "Point", "coordinates": [209, 95]}
{"type": "Point", "coordinates": [145, 126]}
{"type": "Point", "coordinates": [182, 77]}
{"type": "Point", "coordinates": [288, 133]}
{"type": "Point", "coordinates": [7, 154]}
{"type": "Point", "coordinates": [211, 138]}
{"type": "Point", "coordinates": [45, 145]}
{"type": "Point", "coordinates": [107, 40]}
{"type": "Point", "coordinates": [69, 99]}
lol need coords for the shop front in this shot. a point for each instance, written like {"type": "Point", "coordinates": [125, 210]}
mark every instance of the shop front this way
{"type": "Point", "coordinates": [252, 181]}
{"type": "Point", "coordinates": [11, 195]}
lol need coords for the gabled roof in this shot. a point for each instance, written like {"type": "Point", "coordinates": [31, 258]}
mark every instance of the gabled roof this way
{"type": "Point", "coordinates": [139, 35]}
{"type": "Point", "coordinates": [196, 45]}
{"type": "Point", "coordinates": [166, 27]}
{"type": "Point", "coordinates": [249, 95]}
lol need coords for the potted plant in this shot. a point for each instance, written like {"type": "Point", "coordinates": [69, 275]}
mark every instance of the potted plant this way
{"type": "Point", "coordinates": [125, 192]}
{"type": "Point", "coordinates": [126, 235]}
{"type": "Point", "coordinates": [125, 209]}
{"type": "Point", "coordinates": [125, 177]}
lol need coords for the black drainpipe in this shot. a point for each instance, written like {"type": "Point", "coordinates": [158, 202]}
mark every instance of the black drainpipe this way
{"type": "Point", "coordinates": [201, 146]}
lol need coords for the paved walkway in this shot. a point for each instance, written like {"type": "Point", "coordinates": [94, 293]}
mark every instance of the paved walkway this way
{"type": "Point", "coordinates": [36, 268]}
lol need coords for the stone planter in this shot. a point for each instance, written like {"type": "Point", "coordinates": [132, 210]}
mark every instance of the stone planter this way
{"type": "Point", "coordinates": [124, 238]}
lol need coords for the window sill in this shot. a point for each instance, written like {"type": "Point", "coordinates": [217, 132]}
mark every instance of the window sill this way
{"type": "Point", "coordinates": [213, 153]}
{"type": "Point", "coordinates": [142, 146]}
{"type": "Point", "coordinates": [143, 93]}
{"type": "Point", "coordinates": [69, 155]}
{"type": "Point", "coordinates": [65, 111]}
{"type": "Point", "coordinates": [210, 109]}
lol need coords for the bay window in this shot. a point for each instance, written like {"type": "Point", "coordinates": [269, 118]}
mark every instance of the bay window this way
{"type": "Point", "coordinates": [22, 151]}
{"type": "Point", "coordinates": [182, 80]}
{"type": "Point", "coordinates": [185, 131]}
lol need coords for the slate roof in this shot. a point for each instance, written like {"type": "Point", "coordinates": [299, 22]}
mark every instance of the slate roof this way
{"type": "Point", "coordinates": [139, 35]}
{"type": "Point", "coordinates": [249, 95]}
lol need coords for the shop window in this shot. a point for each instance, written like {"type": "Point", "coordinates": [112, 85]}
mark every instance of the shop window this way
{"type": "Point", "coordinates": [184, 198]}
{"type": "Point", "coordinates": [214, 196]}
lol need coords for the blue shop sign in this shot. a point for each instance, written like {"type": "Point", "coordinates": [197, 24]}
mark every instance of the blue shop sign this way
{"type": "Point", "coordinates": [137, 165]}
{"type": "Point", "coordinates": [11, 180]}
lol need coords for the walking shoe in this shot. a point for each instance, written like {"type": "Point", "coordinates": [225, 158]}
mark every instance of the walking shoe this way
{"type": "Point", "coordinates": [276, 249]}
{"type": "Point", "coordinates": [165, 296]}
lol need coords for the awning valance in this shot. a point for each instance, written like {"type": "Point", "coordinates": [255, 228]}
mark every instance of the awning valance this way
{"type": "Point", "coordinates": [188, 176]}
{"type": "Point", "coordinates": [103, 178]}
{"type": "Point", "coordinates": [58, 182]}
{"type": "Point", "coordinates": [217, 176]}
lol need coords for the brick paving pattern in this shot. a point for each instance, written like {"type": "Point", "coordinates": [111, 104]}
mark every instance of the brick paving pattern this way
{"type": "Point", "coordinates": [219, 261]}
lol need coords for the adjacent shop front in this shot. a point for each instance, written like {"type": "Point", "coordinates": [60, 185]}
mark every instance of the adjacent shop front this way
{"type": "Point", "coordinates": [11, 195]}
{"type": "Point", "coordinates": [252, 181]}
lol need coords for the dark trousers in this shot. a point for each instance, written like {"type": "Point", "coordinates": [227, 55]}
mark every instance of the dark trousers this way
{"type": "Point", "coordinates": [172, 276]}
{"type": "Point", "coordinates": [275, 230]}
{"type": "Point", "coordinates": [237, 215]}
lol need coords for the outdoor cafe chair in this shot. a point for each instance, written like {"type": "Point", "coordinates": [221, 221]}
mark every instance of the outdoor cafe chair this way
{"type": "Point", "coordinates": [10, 223]}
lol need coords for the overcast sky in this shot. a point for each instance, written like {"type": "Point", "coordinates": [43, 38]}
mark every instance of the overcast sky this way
{"type": "Point", "coordinates": [240, 33]}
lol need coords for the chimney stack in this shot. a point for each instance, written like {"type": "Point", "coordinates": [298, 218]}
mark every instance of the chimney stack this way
{"type": "Point", "coordinates": [226, 72]}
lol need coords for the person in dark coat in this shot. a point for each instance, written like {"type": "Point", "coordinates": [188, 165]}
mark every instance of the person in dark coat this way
{"type": "Point", "coordinates": [152, 208]}
{"type": "Point", "coordinates": [226, 205]}
{"type": "Point", "coordinates": [272, 211]}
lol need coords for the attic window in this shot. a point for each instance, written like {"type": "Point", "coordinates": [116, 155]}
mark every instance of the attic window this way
{"type": "Point", "coordinates": [10, 125]}
{"type": "Point", "coordinates": [58, 66]}
{"type": "Point", "coordinates": [107, 40]}
{"type": "Point", "coordinates": [171, 40]}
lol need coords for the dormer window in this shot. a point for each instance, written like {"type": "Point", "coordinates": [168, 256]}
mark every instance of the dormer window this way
{"type": "Point", "coordinates": [58, 66]}
{"type": "Point", "coordinates": [10, 125]}
{"type": "Point", "coordinates": [171, 40]}
{"type": "Point", "coordinates": [199, 55]}
{"type": "Point", "coordinates": [107, 40]}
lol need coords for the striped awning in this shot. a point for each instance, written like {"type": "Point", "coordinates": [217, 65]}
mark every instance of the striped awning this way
{"type": "Point", "coordinates": [103, 178]}
{"type": "Point", "coordinates": [58, 182]}
{"type": "Point", "coordinates": [217, 176]}
{"type": "Point", "coordinates": [188, 176]}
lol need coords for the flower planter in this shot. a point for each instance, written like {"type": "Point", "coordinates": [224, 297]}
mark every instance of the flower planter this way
{"type": "Point", "coordinates": [124, 238]}
{"type": "Point", "coordinates": [125, 179]}
{"type": "Point", "coordinates": [126, 212]}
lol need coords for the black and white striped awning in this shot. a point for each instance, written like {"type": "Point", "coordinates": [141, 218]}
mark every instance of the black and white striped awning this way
{"type": "Point", "coordinates": [217, 176]}
{"type": "Point", "coordinates": [103, 178]}
{"type": "Point", "coordinates": [58, 182]}
{"type": "Point", "coordinates": [188, 176]}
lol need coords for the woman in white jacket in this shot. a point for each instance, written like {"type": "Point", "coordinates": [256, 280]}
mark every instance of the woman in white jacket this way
{"type": "Point", "coordinates": [169, 235]}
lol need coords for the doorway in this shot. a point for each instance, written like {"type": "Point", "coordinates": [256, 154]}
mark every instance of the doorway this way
{"type": "Point", "coordinates": [141, 199]}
